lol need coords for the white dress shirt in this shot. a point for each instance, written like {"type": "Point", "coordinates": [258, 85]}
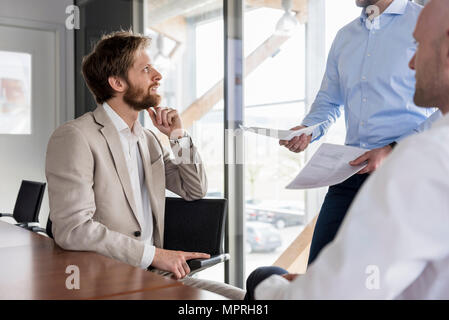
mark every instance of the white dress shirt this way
{"type": "Point", "coordinates": [394, 241]}
{"type": "Point", "coordinates": [133, 158]}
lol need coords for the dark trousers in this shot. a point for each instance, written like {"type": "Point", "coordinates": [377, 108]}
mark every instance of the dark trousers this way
{"type": "Point", "coordinates": [336, 204]}
{"type": "Point", "coordinates": [259, 275]}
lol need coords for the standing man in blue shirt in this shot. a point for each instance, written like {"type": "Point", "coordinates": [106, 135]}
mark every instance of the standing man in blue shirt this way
{"type": "Point", "coordinates": [367, 73]}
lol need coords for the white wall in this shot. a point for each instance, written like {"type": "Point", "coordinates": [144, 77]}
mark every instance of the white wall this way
{"type": "Point", "coordinates": [43, 14]}
{"type": "Point", "coordinates": [53, 12]}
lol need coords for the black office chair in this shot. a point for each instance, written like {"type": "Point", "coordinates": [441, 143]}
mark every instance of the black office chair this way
{"type": "Point", "coordinates": [27, 206]}
{"type": "Point", "coordinates": [194, 226]}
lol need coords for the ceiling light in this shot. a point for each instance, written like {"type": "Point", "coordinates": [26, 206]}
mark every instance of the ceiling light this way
{"type": "Point", "coordinates": [288, 23]}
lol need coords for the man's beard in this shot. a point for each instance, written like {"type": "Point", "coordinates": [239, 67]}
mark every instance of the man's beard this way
{"type": "Point", "coordinates": [427, 93]}
{"type": "Point", "coordinates": [429, 84]}
{"type": "Point", "coordinates": [139, 100]}
{"type": "Point", "coordinates": [365, 3]}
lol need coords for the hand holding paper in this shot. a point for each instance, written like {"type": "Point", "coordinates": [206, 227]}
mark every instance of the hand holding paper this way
{"type": "Point", "coordinates": [281, 134]}
{"type": "Point", "coordinates": [298, 143]}
{"type": "Point", "coordinates": [328, 166]}
{"type": "Point", "coordinates": [374, 158]}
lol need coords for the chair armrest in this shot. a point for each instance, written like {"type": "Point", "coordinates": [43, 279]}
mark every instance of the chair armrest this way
{"type": "Point", "coordinates": [22, 225]}
{"type": "Point", "coordinates": [197, 265]}
{"type": "Point", "coordinates": [28, 225]}
{"type": "Point", "coordinates": [38, 229]}
{"type": "Point", "coordinates": [6, 215]}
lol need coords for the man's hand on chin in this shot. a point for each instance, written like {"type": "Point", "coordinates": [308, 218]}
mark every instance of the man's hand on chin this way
{"type": "Point", "coordinates": [167, 121]}
{"type": "Point", "coordinates": [175, 261]}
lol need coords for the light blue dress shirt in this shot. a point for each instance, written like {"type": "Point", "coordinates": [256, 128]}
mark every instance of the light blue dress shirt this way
{"type": "Point", "coordinates": [367, 72]}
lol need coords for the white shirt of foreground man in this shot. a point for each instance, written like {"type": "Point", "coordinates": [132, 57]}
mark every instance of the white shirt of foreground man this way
{"type": "Point", "coordinates": [394, 241]}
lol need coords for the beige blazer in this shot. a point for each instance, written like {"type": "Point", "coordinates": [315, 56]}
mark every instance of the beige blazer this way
{"type": "Point", "coordinates": [92, 205]}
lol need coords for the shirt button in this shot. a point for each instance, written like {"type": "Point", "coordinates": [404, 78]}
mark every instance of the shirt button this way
{"type": "Point", "coordinates": [369, 54]}
{"type": "Point", "coordinates": [364, 100]}
{"type": "Point", "coordinates": [137, 233]}
{"type": "Point", "coordinates": [363, 78]}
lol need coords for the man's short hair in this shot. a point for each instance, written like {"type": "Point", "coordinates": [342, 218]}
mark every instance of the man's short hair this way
{"type": "Point", "coordinates": [113, 55]}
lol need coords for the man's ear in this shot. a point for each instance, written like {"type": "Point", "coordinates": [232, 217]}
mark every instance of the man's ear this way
{"type": "Point", "coordinates": [117, 83]}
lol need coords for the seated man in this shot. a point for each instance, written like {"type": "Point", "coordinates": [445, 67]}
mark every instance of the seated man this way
{"type": "Point", "coordinates": [394, 243]}
{"type": "Point", "coordinates": [107, 175]}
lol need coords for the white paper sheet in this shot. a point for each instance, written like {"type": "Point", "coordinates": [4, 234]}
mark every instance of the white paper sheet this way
{"type": "Point", "coordinates": [281, 134]}
{"type": "Point", "coordinates": [328, 166]}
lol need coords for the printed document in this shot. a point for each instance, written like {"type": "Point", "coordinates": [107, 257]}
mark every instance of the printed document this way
{"type": "Point", "coordinates": [281, 134]}
{"type": "Point", "coordinates": [328, 166]}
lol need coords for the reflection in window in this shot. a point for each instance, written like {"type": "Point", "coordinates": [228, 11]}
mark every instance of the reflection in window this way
{"type": "Point", "coordinates": [15, 93]}
{"type": "Point", "coordinates": [274, 98]}
{"type": "Point", "coordinates": [188, 50]}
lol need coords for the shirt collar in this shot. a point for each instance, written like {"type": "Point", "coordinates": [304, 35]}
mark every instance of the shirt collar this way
{"type": "Point", "coordinates": [442, 122]}
{"type": "Point", "coordinates": [396, 7]}
{"type": "Point", "coordinates": [119, 123]}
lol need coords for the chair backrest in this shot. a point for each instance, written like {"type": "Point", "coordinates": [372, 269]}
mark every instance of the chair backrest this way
{"type": "Point", "coordinates": [29, 200]}
{"type": "Point", "coordinates": [196, 226]}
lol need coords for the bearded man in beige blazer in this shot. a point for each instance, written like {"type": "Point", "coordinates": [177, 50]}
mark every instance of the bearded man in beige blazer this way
{"type": "Point", "coordinates": [107, 175]}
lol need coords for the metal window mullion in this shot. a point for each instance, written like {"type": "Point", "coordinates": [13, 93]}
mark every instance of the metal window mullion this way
{"type": "Point", "coordinates": [233, 153]}
{"type": "Point", "coordinates": [315, 67]}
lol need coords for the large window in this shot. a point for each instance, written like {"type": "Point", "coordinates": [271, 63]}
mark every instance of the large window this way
{"type": "Point", "coordinates": [274, 98]}
{"type": "Point", "coordinates": [188, 49]}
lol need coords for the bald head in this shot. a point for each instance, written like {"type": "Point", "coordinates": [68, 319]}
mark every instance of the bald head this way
{"type": "Point", "coordinates": [431, 60]}
{"type": "Point", "coordinates": [434, 21]}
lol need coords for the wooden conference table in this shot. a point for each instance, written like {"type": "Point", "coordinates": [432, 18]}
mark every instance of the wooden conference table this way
{"type": "Point", "coordinates": [32, 266]}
